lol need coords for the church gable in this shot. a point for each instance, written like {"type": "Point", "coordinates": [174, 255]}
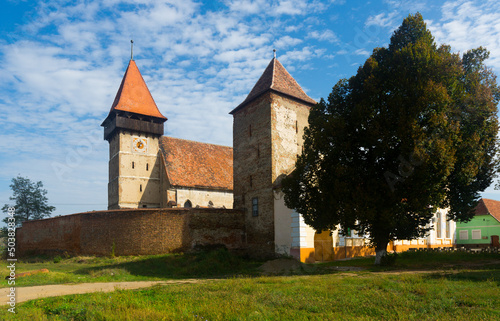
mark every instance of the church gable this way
{"type": "Point", "coordinates": [197, 165]}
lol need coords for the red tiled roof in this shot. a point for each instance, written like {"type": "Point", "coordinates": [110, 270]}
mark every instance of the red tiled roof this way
{"type": "Point", "coordinates": [134, 96]}
{"type": "Point", "coordinates": [487, 206]}
{"type": "Point", "coordinates": [195, 164]}
{"type": "Point", "coordinates": [276, 78]}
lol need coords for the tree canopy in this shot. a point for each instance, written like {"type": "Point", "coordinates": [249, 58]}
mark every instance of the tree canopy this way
{"type": "Point", "coordinates": [414, 130]}
{"type": "Point", "coordinates": [30, 201]}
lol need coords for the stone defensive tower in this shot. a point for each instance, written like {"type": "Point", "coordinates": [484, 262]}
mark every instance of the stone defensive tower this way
{"type": "Point", "coordinates": [133, 128]}
{"type": "Point", "coordinates": [267, 137]}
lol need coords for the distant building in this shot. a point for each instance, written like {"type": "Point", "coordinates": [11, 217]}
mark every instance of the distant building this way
{"type": "Point", "coordinates": [484, 228]}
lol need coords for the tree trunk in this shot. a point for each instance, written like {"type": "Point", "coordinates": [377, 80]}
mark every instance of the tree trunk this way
{"type": "Point", "coordinates": [380, 252]}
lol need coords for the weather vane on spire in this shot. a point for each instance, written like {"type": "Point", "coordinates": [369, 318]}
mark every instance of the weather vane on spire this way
{"type": "Point", "coordinates": [274, 53]}
{"type": "Point", "coordinates": [131, 49]}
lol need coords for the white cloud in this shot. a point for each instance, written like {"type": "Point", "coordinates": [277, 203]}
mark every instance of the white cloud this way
{"type": "Point", "coordinates": [286, 42]}
{"type": "Point", "coordinates": [383, 20]}
{"type": "Point", "coordinates": [324, 35]}
{"type": "Point", "coordinates": [466, 25]}
{"type": "Point", "coordinates": [290, 7]}
{"type": "Point", "coordinates": [304, 54]}
{"type": "Point", "coordinates": [361, 52]}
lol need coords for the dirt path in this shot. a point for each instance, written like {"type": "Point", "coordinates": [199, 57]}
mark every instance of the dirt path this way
{"type": "Point", "coordinates": [42, 291]}
{"type": "Point", "coordinates": [275, 267]}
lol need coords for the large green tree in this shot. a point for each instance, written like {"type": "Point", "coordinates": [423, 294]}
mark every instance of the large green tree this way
{"type": "Point", "coordinates": [30, 201]}
{"type": "Point", "coordinates": [414, 130]}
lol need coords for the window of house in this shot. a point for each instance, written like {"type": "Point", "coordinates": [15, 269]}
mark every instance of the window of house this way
{"type": "Point", "coordinates": [133, 165]}
{"type": "Point", "coordinates": [464, 235]}
{"type": "Point", "coordinates": [476, 234]}
{"type": "Point", "coordinates": [188, 204]}
{"type": "Point", "coordinates": [147, 167]}
{"type": "Point", "coordinates": [438, 226]}
{"type": "Point", "coordinates": [140, 188]}
{"type": "Point", "coordinates": [255, 206]}
{"type": "Point", "coordinates": [448, 229]}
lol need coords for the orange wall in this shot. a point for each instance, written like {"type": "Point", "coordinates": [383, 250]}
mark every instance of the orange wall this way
{"type": "Point", "coordinates": [309, 255]}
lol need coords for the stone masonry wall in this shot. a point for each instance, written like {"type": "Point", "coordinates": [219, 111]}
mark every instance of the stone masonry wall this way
{"type": "Point", "coordinates": [133, 232]}
{"type": "Point", "coordinates": [267, 137]}
{"type": "Point", "coordinates": [252, 172]}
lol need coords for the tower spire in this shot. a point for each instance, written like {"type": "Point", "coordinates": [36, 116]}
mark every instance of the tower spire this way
{"type": "Point", "coordinates": [131, 49]}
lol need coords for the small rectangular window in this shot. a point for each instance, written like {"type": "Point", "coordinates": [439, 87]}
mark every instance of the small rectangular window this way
{"type": "Point", "coordinates": [464, 235]}
{"type": "Point", "coordinates": [147, 167]}
{"type": "Point", "coordinates": [476, 234]}
{"type": "Point", "coordinates": [140, 188]}
{"type": "Point", "coordinates": [133, 165]}
{"type": "Point", "coordinates": [255, 206]}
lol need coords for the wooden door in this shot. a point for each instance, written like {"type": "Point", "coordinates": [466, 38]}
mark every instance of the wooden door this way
{"type": "Point", "coordinates": [494, 241]}
{"type": "Point", "coordinates": [323, 246]}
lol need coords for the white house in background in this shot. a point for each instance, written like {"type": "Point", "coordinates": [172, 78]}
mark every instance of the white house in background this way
{"type": "Point", "coordinates": [309, 246]}
{"type": "Point", "coordinates": [442, 234]}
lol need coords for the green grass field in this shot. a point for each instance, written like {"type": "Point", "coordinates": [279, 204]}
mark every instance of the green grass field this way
{"type": "Point", "coordinates": [419, 286]}
{"type": "Point", "coordinates": [212, 264]}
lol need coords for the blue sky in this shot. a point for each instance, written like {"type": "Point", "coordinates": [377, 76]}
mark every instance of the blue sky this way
{"type": "Point", "coordinates": [61, 63]}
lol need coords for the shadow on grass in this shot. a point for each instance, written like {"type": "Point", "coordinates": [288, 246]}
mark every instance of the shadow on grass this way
{"type": "Point", "coordinates": [492, 274]}
{"type": "Point", "coordinates": [203, 264]}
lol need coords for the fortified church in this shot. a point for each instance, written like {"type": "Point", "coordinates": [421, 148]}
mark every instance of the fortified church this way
{"type": "Point", "coordinates": [148, 169]}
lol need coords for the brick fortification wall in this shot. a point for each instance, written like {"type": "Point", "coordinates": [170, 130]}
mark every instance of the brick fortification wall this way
{"type": "Point", "coordinates": [133, 232]}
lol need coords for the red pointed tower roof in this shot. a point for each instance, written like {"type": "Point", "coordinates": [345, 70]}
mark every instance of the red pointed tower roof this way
{"type": "Point", "coordinates": [134, 96]}
{"type": "Point", "coordinates": [277, 79]}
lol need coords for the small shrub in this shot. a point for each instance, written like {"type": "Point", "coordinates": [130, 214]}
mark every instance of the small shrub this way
{"type": "Point", "coordinates": [108, 272]}
{"type": "Point", "coordinates": [389, 259]}
{"type": "Point", "coordinates": [113, 248]}
{"type": "Point", "coordinates": [57, 259]}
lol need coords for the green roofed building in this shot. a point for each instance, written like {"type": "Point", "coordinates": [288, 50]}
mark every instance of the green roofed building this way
{"type": "Point", "coordinates": [484, 229]}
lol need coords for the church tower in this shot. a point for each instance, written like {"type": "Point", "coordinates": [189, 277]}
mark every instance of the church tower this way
{"type": "Point", "coordinates": [133, 128]}
{"type": "Point", "coordinates": [267, 137]}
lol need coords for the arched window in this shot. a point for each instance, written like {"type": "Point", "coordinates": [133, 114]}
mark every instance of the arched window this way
{"type": "Point", "coordinates": [188, 204]}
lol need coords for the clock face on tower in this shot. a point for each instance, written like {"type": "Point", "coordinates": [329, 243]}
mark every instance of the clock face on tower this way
{"type": "Point", "coordinates": [139, 145]}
